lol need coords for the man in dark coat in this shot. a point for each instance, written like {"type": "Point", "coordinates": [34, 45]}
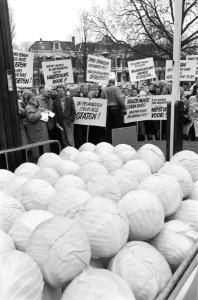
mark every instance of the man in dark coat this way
{"type": "Point", "coordinates": [115, 108]}
{"type": "Point", "coordinates": [65, 115]}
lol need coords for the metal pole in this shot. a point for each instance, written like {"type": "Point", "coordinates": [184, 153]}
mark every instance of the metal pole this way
{"type": "Point", "coordinates": [176, 67]}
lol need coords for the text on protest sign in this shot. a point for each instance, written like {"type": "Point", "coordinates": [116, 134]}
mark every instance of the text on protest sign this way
{"type": "Point", "coordinates": [193, 57]}
{"type": "Point", "coordinates": [98, 69]}
{"type": "Point", "coordinates": [141, 69]}
{"type": "Point", "coordinates": [146, 108]}
{"type": "Point", "coordinates": [187, 70]}
{"type": "Point", "coordinates": [23, 64]}
{"type": "Point", "coordinates": [159, 107]}
{"type": "Point", "coordinates": [58, 72]}
{"type": "Point", "coordinates": [138, 109]}
{"type": "Point", "coordinates": [90, 111]}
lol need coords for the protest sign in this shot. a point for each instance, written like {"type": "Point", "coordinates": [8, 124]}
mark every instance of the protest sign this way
{"type": "Point", "coordinates": [57, 72]}
{"type": "Point", "coordinates": [23, 64]}
{"type": "Point", "coordinates": [193, 57]}
{"type": "Point", "coordinates": [187, 70]}
{"type": "Point", "coordinates": [159, 107]}
{"type": "Point", "coordinates": [141, 69]}
{"type": "Point", "coordinates": [138, 109]}
{"type": "Point", "coordinates": [98, 69]}
{"type": "Point", "coordinates": [90, 111]}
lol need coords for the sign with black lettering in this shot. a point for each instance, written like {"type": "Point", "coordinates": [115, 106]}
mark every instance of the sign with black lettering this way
{"type": "Point", "coordinates": [138, 109]}
{"type": "Point", "coordinates": [187, 70]}
{"type": "Point", "coordinates": [23, 64]}
{"type": "Point", "coordinates": [194, 58]}
{"type": "Point", "coordinates": [141, 69]}
{"type": "Point", "coordinates": [159, 107]}
{"type": "Point", "coordinates": [90, 111]}
{"type": "Point", "coordinates": [98, 69]}
{"type": "Point", "coordinates": [58, 72]}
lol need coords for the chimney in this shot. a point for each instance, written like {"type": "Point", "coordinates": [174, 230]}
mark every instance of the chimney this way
{"type": "Point", "coordinates": [73, 40]}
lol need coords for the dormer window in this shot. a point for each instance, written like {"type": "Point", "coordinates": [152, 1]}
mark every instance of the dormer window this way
{"type": "Point", "coordinates": [56, 46]}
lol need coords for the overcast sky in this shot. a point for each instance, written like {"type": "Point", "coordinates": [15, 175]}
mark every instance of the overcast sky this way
{"type": "Point", "coordinates": [47, 19]}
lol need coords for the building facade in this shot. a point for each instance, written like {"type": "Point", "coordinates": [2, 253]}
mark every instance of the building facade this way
{"type": "Point", "coordinates": [56, 50]}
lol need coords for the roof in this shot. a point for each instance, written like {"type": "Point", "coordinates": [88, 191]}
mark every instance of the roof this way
{"type": "Point", "coordinates": [48, 45]}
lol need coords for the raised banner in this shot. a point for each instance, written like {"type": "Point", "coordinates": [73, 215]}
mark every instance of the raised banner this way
{"type": "Point", "coordinates": [138, 109]}
{"type": "Point", "coordinates": [90, 111]}
{"type": "Point", "coordinates": [187, 70]}
{"type": "Point", "coordinates": [98, 69]}
{"type": "Point", "coordinates": [194, 58]}
{"type": "Point", "coordinates": [159, 107]}
{"type": "Point", "coordinates": [23, 64]}
{"type": "Point", "coordinates": [141, 69]}
{"type": "Point", "coordinates": [58, 72]}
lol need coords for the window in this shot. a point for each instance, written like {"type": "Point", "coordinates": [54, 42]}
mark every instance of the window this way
{"type": "Point", "coordinates": [56, 46]}
{"type": "Point", "coordinates": [113, 63]}
{"type": "Point", "coordinates": [73, 62]}
{"type": "Point", "coordinates": [118, 62]}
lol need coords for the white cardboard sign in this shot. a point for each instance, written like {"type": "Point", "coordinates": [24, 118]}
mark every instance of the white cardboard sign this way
{"type": "Point", "coordinates": [98, 69]}
{"type": "Point", "coordinates": [23, 64]}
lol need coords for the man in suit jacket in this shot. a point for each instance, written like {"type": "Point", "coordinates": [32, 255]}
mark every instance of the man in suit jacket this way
{"type": "Point", "coordinates": [65, 115]}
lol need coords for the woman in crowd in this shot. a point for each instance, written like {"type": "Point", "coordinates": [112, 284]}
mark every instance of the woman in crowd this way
{"type": "Point", "coordinates": [37, 129]}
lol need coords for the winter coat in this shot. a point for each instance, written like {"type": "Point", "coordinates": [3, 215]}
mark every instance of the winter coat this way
{"type": "Point", "coordinates": [37, 130]}
{"type": "Point", "coordinates": [68, 115]}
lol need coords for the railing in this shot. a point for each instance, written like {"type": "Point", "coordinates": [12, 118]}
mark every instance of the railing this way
{"type": "Point", "coordinates": [27, 148]}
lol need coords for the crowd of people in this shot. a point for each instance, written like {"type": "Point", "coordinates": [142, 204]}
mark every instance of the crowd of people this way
{"type": "Point", "coordinates": [51, 113]}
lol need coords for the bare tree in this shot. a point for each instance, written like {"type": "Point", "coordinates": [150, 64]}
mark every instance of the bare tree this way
{"type": "Point", "coordinates": [84, 45]}
{"type": "Point", "coordinates": [150, 22]}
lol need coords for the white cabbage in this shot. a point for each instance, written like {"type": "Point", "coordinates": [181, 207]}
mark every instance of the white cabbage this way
{"type": "Point", "coordinates": [90, 169]}
{"type": "Point", "coordinates": [5, 177]}
{"type": "Point", "coordinates": [152, 155]}
{"type": "Point", "coordinates": [50, 293]}
{"type": "Point", "coordinates": [67, 199]}
{"type": "Point", "coordinates": [69, 153]}
{"type": "Point", "coordinates": [125, 152]}
{"type": "Point", "coordinates": [188, 213]}
{"type": "Point", "coordinates": [67, 167]}
{"type": "Point", "coordinates": [86, 156]}
{"type": "Point", "coordinates": [48, 174]}
{"type": "Point", "coordinates": [20, 277]}
{"type": "Point", "coordinates": [143, 268]}
{"type": "Point", "coordinates": [173, 246]}
{"type": "Point", "coordinates": [69, 181]}
{"type": "Point", "coordinates": [105, 225]}
{"type": "Point", "coordinates": [36, 194]}
{"type": "Point", "coordinates": [11, 188]}
{"type": "Point", "coordinates": [87, 147]}
{"type": "Point", "coordinates": [166, 188]}
{"type": "Point", "coordinates": [48, 160]}
{"type": "Point", "coordinates": [10, 210]}
{"type": "Point", "coordinates": [189, 160]}
{"type": "Point", "coordinates": [26, 169]}
{"type": "Point", "coordinates": [103, 147]}
{"type": "Point", "coordinates": [127, 180]}
{"type": "Point", "coordinates": [98, 284]}
{"type": "Point", "coordinates": [110, 161]}
{"type": "Point", "coordinates": [121, 147]}
{"type": "Point", "coordinates": [139, 168]}
{"type": "Point", "coordinates": [24, 226]}
{"type": "Point", "coordinates": [6, 243]}
{"type": "Point", "coordinates": [61, 249]}
{"type": "Point", "coordinates": [193, 194]}
{"type": "Point", "coordinates": [145, 214]}
{"type": "Point", "coordinates": [180, 174]}
{"type": "Point", "coordinates": [105, 186]}
{"type": "Point", "coordinates": [182, 228]}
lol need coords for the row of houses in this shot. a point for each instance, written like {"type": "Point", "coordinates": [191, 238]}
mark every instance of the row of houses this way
{"type": "Point", "coordinates": [56, 50]}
